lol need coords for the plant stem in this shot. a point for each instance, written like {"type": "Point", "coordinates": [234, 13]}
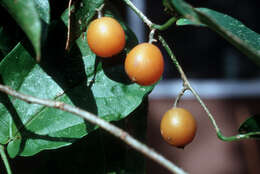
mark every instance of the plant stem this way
{"type": "Point", "coordinates": [189, 87]}
{"type": "Point", "coordinates": [186, 83]}
{"type": "Point", "coordinates": [151, 25]}
{"type": "Point", "coordinates": [174, 59]}
{"type": "Point", "coordinates": [237, 137]}
{"type": "Point", "coordinates": [166, 25]}
{"type": "Point", "coordinates": [151, 36]}
{"type": "Point", "coordinates": [184, 88]}
{"type": "Point", "coordinates": [121, 134]}
{"type": "Point", "coordinates": [68, 32]}
{"type": "Point", "coordinates": [5, 159]}
{"type": "Point", "coordinates": [99, 10]}
{"type": "Point", "coordinates": [219, 134]}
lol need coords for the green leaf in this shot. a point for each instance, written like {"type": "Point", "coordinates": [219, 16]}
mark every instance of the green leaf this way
{"type": "Point", "coordinates": [246, 40]}
{"type": "Point", "coordinates": [77, 78]}
{"type": "Point", "coordinates": [251, 125]}
{"type": "Point", "coordinates": [26, 15]}
{"type": "Point", "coordinates": [84, 11]}
{"type": "Point", "coordinates": [184, 21]}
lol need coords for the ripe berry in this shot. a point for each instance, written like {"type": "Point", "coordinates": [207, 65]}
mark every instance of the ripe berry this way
{"type": "Point", "coordinates": [178, 127]}
{"type": "Point", "coordinates": [105, 37]}
{"type": "Point", "coordinates": [144, 64]}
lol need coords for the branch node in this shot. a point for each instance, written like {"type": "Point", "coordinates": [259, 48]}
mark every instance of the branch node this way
{"type": "Point", "coordinates": [123, 135]}
{"type": "Point", "coordinates": [59, 105]}
{"type": "Point", "coordinates": [151, 36]}
{"type": "Point", "coordinates": [177, 100]}
{"type": "Point", "coordinates": [99, 10]}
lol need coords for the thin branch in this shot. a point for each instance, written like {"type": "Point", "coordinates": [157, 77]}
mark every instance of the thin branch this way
{"type": "Point", "coordinates": [187, 83]}
{"type": "Point", "coordinates": [150, 24]}
{"type": "Point", "coordinates": [185, 80]}
{"type": "Point", "coordinates": [5, 159]}
{"type": "Point", "coordinates": [99, 10]}
{"type": "Point", "coordinates": [139, 13]}
{"type": "Point", "coordinates": [124, 136]}
{"type": "Point", "coordinates": [183, 76]}
{"type": "Point", "coordinates": [166, 25]}
{"type": "Point", "coordinates": [69, 23]}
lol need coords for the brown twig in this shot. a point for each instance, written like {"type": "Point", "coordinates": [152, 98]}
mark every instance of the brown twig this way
{"type": "Point", "coordinates": [124, 136]}
{"type": "Point", "coordinates": [68, 32]}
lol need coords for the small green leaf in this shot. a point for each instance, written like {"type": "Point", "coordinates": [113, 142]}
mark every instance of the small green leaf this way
{"type": "Point", "coordinates": [25, 14]}
{"type": "Point", "coordinates": [246, 40]}
{"type": "Point", "coordinates": [251, 125]}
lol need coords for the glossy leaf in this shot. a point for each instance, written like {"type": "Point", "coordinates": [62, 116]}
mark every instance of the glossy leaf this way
{"type": "Point", "coordinates": [251, 125]}
{"type": "Point", "coordinates": [246, 40]}
{"type": "Point", "coordinates": [78, 78]}
{"type": "Point", "coordinates": [26, 15]}
{"type": "Point", "coordinates": [184, 21]}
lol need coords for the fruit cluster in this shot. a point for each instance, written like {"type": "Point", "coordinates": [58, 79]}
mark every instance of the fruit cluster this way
{"type": "Point", "coordinates": [144, 65]}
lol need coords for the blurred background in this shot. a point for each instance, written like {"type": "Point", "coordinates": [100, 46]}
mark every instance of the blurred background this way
{"type": "Point", "coordinates": [227, 81]}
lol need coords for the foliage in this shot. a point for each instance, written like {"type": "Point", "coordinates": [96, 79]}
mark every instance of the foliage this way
{"type": "Point", "coordinates": [34, 61]}
{"type": "Point", "coordinates": [76, 77]}
{"type": "Point", "coordinates": [246, 40]}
